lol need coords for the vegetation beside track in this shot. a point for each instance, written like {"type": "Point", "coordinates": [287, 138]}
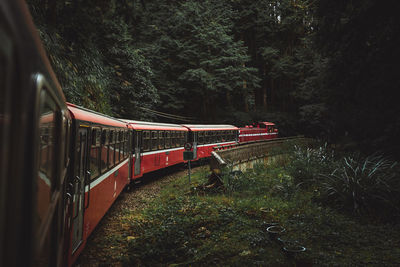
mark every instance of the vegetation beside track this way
{"type": "Point", "coordinates": [201, 225]}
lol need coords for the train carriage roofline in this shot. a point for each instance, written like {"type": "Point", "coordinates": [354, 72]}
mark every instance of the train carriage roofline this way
{"type": "Point", "coordinates": [210, 127]}
{"type": "Point", "coordinates": [143, 125]}
{"type": "Point", "coordinates": [266, 123]}
{"type": "Point", "coordinates": [87, 115]}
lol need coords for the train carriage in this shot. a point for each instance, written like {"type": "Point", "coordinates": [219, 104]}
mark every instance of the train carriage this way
{"type": "Point", "coordinates": [34, 123]}
{"type": "Point", "coordinates": [205, 137]}
{"type": "Point", "coordinates": [156, 146]}
{"type": "Point", "coordinates": [99, 171]}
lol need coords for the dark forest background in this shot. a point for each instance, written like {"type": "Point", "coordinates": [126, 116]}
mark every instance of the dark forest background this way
{"type": "Point", "coordinates": [321, 68]}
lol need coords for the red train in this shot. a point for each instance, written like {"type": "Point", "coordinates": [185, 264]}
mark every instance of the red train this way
{"type": "Point", "coordinates": [258, 131]}
{"type": "Point", "coordinates": [62, 166]}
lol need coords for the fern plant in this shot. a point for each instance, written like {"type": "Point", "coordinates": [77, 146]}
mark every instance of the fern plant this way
{"type": "Point", "coordinates": [369, 184]}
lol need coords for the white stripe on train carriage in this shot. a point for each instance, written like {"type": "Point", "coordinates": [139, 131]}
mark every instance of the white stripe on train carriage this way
{"type": "Point", "coordinates": [105, 175]}
{"type": "Point", "coordinates": [241, 135]}
{"type": "Point", "coordinates": [44, 178]}
{"type": "Point", "coordinates": [162, 151]}
{"type": "Point", "coordinates": [216, 144]}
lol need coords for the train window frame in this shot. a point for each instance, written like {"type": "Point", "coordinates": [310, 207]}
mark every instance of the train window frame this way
{"type": "Point", "coordinates": [161, 140]}
{"type": "Point", "coordinates": [178, 139]}
{"type": "Point", "coordinates": [154, 140]}
{"type": "Point", "coordinates": [173, 139]}
{"type": "Point", "coordinates": [46, 96]}
{"type": "Point", "coordinates": [95, 144]}
{"type": "Point", "coordinates": [111, 149]}
{"type": "Point", "coordinates": [167, 139]}
{"type": "Point", "coordinates": [104, 149]}
{"type": "Point", "coordinates": [146, 144]}
{"type": "Point", "coordinates": [201, 138]}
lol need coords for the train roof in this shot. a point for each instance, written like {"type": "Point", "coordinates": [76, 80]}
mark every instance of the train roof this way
{"type": "Point", "coordinates": [266, 123]}
{"type": "Point", "coordinates": [84, 114]}
{"type": "Point", "coordinates": [144, 125]}
{"type": "Point", "coordinates": [210, 127]}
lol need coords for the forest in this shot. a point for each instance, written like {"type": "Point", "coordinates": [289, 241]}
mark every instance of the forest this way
{"type": "Point", "coordinates": [320, 68]}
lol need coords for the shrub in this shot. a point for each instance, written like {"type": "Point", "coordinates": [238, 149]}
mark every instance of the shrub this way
{"type": "Point", "coordinates": [307, 164]}
{"type": "Point", "coordinates": [369, 184]}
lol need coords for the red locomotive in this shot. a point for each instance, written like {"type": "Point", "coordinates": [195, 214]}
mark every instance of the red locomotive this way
{"type": "Point", "coordinates": [62, 166]}
{"type": "Point", "coordinates": [258, 131]}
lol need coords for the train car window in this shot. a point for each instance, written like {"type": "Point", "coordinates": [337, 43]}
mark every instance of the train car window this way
{"type": "Point", "coordinates": [154, 140]}
{"type": "Point", "coordinates": [95, 154]}
{"type": "Point", "coordinates": [161, 140]}
{"type": "Point", "coordinates": [111, 149]}
{"type": "Point", "coordinates": [146, 140]}
{"type": "Point", "coordinates": [104, 150]}
{"type": "Point", "coordinates": [121, 146]}
{"type": "Point", "coordinates": [117, 147]}
{"type": "Point", "coordinates": [201, 138]}
{"type": "Point", "coordinates": [184, 138]}
{"type": "Point", "coordinates": [50, 131]}
{"type": "Point", "coordinates": [177, 138]}
{"type": "Point", "coordinates": [126, 143]}
{"type": "Point", "coordinates": [167, 139]}
{"type": "Point", "coordinates": [173, 138]}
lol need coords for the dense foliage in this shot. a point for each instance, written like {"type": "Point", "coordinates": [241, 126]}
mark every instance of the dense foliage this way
{"type": "Point", "coordinates": [321, 68]}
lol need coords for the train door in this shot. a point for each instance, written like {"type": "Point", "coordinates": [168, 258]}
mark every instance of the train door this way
{"type": "Point", "coordinates": [138, 152]}
{"type": "Point", "coordinates": [79, 187]}
{"type": "Point", "coordinates": [131, 149]}
{"type": "Point", "coordinates": [194, 138]}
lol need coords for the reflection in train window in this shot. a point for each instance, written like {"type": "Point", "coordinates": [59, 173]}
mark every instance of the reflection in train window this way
{"type": "Point", "coordinates": [47, 161]}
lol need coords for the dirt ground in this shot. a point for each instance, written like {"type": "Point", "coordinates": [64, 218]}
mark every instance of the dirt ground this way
{"type": "Point", "coordinates": [100, 249]}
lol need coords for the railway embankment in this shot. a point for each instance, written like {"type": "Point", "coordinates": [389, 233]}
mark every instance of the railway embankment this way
{"type": "Point", "coordinates": [295, 210]}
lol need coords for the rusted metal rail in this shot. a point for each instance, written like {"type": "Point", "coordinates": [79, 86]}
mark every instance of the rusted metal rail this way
{"type": "Point", "coordinates": [231, 156]}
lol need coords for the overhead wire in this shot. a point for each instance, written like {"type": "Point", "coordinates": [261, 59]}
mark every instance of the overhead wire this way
{"type": "Point", "coordinates": [169, 116]}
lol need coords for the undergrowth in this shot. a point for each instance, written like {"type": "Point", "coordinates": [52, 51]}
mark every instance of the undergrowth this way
{"type": "Point", "coordinates": [193, 225]}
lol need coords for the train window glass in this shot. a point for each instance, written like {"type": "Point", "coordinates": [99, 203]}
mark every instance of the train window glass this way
{"type": "Point", "coordinates": [172, 137]}
{"type": "Point", "coordinates": [49, 130]}
{"type": "Point", "coordinates": [117, 147]}
{"type": "Point", "coordinates": [201, 138]}
{"type": "Point", "coordinates": [126, 149]}
{"type": "Point", "coordinates": [161, 140]}
{"type": "Point", "coordinates": [154, 140]}
{"type": "Point", "coordinates": [122, 146]}
{"type": "Point", "coordinates": [167, 139]}
{"type": "Point", "coordinates": [111, 150]}
{"type": "Point", "coordinates": [146, 141]}
{"type": "Point", "coordinates": [95, 154]}
{"type": "Point", "coordinates": [104, 150]}
{"type": "Point", "coordinates": [177, 139]}
{"type": "Point", "coordinates": [181, 138]}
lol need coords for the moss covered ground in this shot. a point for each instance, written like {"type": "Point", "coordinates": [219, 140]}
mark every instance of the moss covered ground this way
{"type": "Point", "coordinates": [193, 225]}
